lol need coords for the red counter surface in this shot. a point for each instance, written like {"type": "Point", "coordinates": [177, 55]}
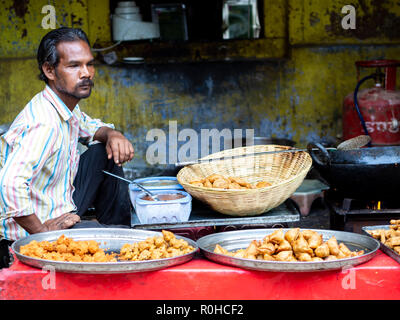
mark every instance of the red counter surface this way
{"type": "Point", "coordinates": [201, 279]}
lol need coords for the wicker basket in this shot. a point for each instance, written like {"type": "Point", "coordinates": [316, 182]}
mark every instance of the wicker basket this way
{"type": "Point", "coordinates": [286, 171]}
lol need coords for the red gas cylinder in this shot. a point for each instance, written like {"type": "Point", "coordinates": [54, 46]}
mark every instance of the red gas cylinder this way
{"type": "Point", "coordinates": [377, 109]}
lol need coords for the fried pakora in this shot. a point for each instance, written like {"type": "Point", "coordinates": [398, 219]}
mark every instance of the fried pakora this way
{"type": "Point", "coordinates": [218, 181]}
{"type": "Point", "coordinates": [294, 245]}
{"type": "Point", "coordinates": [262, 184]}
{"type": "Point", "coordinates": [165, 246]}
{"type": "Point", "coordinates": [67, 249]}
{"type": "Point", "coordinates": [389, 237]}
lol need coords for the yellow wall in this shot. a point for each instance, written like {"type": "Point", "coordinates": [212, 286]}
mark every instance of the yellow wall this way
{"type": "Point", "coordinates": [298, 97]}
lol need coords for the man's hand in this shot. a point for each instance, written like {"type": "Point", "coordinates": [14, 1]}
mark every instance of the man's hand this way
{"type": "Point", "coordinates": [117, 146]}
{"type": "Point", "coordinates": [65, 221]}
{"type": "Point", "coordinates": [32, 224]}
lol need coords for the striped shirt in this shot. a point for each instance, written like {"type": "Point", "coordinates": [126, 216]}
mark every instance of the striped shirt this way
{"type": "Point", "coordinates": [39, 158]}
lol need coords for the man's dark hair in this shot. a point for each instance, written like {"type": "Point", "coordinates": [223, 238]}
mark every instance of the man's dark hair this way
{"type": "Point", "coordinates": [47, 51]}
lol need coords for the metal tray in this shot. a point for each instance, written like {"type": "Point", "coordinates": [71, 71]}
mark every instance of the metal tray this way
{"type": "Point", "coordinates": [234, 240]}
{"type": "Point", "coordinates": [110, 239]}
{"type": "Point", "coordinates": [390, 252]}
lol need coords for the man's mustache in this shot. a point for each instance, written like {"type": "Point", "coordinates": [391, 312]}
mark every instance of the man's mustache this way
{"type": "Point", "coordinates": [85, 83]}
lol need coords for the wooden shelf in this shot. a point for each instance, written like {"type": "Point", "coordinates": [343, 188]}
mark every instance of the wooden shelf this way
{"type": "Point", "coordinates": [185, 52]}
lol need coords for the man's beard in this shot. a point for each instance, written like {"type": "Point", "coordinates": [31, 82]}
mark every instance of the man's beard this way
{"type": "Point", "coordinates": [75, 93]}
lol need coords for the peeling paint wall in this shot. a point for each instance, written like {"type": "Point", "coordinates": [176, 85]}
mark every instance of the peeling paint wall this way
{"type": "Point", "coordinates": [319, 21]}
{"type": "Point", "coordinates": [299, 97]}
{"type": "Point", "coordinates": [21, 23]}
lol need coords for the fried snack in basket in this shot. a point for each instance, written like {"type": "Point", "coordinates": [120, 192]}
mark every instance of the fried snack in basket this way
{"type": "Point", "coordinates": [67, 249]}
{"type": "Point", "coordinates": [294, 246]}
{"type": "Point", "coordinates": [221, 184]}
{"type": "Point", "coordinates": [218, 181]}
{"type": "Point", "coordinates": [390, 237]}
{"type": "Point", "coordinates": [165, 246]}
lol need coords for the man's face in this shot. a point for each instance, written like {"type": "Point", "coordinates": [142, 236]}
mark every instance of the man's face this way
{"type": "Point", "coordinates": [75, 71]}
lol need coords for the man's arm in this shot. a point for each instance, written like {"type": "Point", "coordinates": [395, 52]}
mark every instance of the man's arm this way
{"type": "Point", "coordinates": [117, 146]}
{"type": "Point", "coordinates": [32, 224]}
{"type": "Point", "coordinates": [30, 151]}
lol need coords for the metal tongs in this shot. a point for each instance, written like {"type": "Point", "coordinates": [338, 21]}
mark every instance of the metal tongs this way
{"type": "Point", "coordinates": [150, 194]}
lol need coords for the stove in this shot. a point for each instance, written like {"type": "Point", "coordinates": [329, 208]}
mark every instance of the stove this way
{"type": "Point", "coordinates": [351, 215]}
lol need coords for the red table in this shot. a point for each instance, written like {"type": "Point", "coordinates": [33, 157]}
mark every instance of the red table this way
{"type": "Point", "coordinates": [201, 279]}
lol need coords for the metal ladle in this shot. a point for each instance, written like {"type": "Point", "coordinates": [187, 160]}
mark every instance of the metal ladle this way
{"type": "Point", "coordinates": [150, 194]}
{"type": "Point", "coordinates": [353, 143]}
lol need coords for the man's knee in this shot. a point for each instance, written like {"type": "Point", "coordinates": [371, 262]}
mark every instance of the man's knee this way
{"type": "Point", "coordinates": [96, 153]}
{"type": "Point", "coordinates": [99, 149]}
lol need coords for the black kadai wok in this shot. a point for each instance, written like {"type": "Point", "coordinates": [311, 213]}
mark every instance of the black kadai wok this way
{"type": "Point", "coordinates": [365, 173]}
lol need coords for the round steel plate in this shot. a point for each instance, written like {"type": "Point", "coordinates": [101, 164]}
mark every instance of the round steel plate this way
{"type": "Point", "coordinates": [110, 239]}
{"type": "Point", "coordinates": [234, 240]}
{"type": "Point", "coordinates": [389, 251]}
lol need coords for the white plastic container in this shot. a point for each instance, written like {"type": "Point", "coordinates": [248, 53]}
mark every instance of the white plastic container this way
{"type": "Point", "coordinates": [170, 211]}
{"type": "Point", "coordinates": [128, 25]}
{"type": "Point", "coordinates": [153, 184]}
